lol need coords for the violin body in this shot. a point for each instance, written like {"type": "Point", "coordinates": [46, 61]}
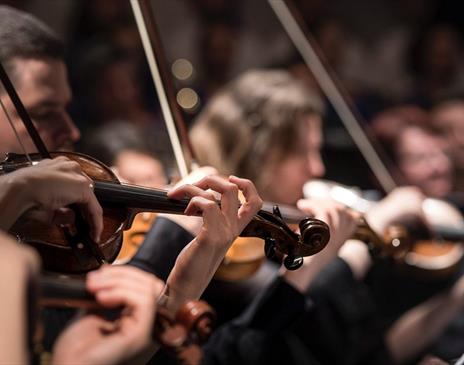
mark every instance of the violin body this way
{"type": "Point", "coordinates": [426, 257]}
{"type": "Point", "coordinates": [50, 241]}
{"type": "Point", "coordinates": [134, 236]}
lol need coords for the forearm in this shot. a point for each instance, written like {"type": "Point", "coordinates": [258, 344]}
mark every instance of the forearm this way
{"type": "Point", "coordinates": [13, 339]}
{"type": "Point", "coordinates": [193, 272]}
{"type": "Point", "coordinates": [354, 253]}
{"type": "Point", "coordinates": [162, 245]}
{"type": "Point", "coordinates": [302, 278]}
{"type": "Point", "coordinates": [418, 327]}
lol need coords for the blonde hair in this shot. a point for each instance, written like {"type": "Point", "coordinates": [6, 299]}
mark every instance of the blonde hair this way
{"type": "Point", "coordinates": [253, 122]}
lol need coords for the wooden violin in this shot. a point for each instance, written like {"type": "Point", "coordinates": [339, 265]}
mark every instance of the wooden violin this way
{"type": "Point", "coordinates": [181, 335]}
{"type": "Point", "coordinates": [244, 258]}
{"type": "Point", "coordinates": [433, 247]}
{"type": "Point", "coordinates": [122, 202]}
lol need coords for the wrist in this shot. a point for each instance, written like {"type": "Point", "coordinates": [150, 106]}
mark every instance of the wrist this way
{"type": "Point", "coordinates": [14, 199]}
{"type": "Point", "coordinates": [171, 300]}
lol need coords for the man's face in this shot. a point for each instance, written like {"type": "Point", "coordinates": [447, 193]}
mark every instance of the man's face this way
{"type": "Point", "coordinates": [43, 88]}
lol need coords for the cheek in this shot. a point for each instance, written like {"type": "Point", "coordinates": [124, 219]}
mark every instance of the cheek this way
{"type": "Point", "coordinates": [49, 137]}
{"type": "Point", "coordinates": [415, 173]}
{"type": "Point", "coordinates": [291, 177]}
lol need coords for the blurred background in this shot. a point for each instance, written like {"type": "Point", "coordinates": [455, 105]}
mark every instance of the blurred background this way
{"type": "Point", "coordinates": [387, 53]}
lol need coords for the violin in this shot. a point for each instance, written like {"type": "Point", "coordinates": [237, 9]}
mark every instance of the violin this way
{"type": "Point", "coordinates": [434, 248]}
{"type": "Point", "coordinates": [180, 335]}
{"type": "Point", "coordinates": [122, 202]}
{"type": "Point", "coordinates": [245, 257]}
{"type": "Point", "coordinates": [133, 237]}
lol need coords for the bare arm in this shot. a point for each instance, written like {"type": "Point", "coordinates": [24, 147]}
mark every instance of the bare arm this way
{"type": "Point", "coordinates": [421, 325]}
{"type": "Point", "coordinates": [197, 263]}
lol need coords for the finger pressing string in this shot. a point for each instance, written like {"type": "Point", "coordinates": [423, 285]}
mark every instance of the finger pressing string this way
{"type": "Point", "coordinates": [189, 190]}
{"type": "Point", "coordinates": [253, 202]}
{"type": "Point", "coordinates": [229, 193]}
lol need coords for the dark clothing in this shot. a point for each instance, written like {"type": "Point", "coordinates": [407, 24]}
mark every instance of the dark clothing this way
{"type": "Point", "coordinates": [334, 323]}
{"type": "Point", "coordinates": [343, 325]}
{"type": "Point", "coordinates": [161, 246]}
{"type": "Point", "coordinates": [263, 333]}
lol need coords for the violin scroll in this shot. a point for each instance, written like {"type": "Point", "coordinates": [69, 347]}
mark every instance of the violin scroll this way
{"type": "Point", "coordinates": [182, 335]}
{"type": "Point", "coordinates": [280, 240]}
{"type": "Point", "coordinates": [198, 318]}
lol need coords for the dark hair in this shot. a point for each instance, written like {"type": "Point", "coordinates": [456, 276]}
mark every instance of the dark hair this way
{"type": "Point", "coordinates": [24, 36]}
{"type": "Point", "coordinates": [108, 141]}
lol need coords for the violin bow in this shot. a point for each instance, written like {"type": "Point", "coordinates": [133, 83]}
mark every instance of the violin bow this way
{"type": "Point", "coordinates": [157, 63]}
{"type": "Point", "coordinates": [311, 53]}
{"type": "Point", "coordinates": [81, 236]}
{"type": "Point", "coordinates": [24, 116]}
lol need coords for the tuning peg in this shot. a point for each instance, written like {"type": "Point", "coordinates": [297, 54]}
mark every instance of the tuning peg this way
{"type": "Point", "coordinates": [293, 262]}
{"type": "Point", "coordinates": [270, 248]}
{"type": "Point", "coordinates": [276, 211]}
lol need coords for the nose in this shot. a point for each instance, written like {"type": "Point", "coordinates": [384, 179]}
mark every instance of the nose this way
{"type": "Point", "coordinates": [316, 166]}
{"type": "Point", "coordinates": [441, 163]}
{"type": "Point", "coordinates": [70, 130]}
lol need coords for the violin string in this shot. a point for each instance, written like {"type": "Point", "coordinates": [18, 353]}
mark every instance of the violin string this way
{"type": "Point", "coordinates": [15, 131]}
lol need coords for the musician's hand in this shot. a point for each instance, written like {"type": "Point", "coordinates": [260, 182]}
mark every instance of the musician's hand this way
{"type": "Point", "coordinates": [19, 264]}
{"type": "Point", "coordinates": [44, 190]}
{"type": "Point", "coordinates": [191, 224]}
{"type": "Point", "coordinates": [401, 204]}
{"type": "Point", "coordinates": [93, 340]}
{"type": "Point", "coordinates": [342, 222]}
{"type": "Point", "coordinates": [198, 262]}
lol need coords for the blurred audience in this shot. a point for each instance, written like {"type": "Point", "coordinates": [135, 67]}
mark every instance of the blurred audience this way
{"type": "Point", "coordinates": [124, 147]}
{"type": "Point", "coordinates": [417, 150]}
{"type": "Point", "coordinates": [449, 118]}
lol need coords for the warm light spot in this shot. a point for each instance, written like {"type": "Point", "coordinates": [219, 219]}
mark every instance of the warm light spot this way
{"type": "Point", "coordinates": [188, 99]}
{"type": "Point", "coordinates": [182, 69]}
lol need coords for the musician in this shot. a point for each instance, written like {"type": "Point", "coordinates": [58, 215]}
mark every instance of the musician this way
{"type": "Point", "coordinates": [34, 58]}
{"type": "Point", "coordinates": [266, 125]}
{"type": "Point", "coordinates": [126, 148]}
{"type": "Point", "coordinates": [417, 150]}
{"type": "Point", "coordinates": [83, 342]}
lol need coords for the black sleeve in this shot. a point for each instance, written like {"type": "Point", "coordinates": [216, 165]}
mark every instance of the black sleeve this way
{"type": "Point", "coordinates": [161, 246]}
{"type": "Point", "coordinates": [259, 335]}
{"type": "Point", "coordinates": [344, 317]}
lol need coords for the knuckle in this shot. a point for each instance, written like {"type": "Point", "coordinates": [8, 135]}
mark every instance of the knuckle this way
{"type": "Point", "coordinates": [82, 180]}
{"type": "Point", "coordinates": [210, 204]}
{"type": "Point", "coordinates": [210, 195]}
{"type": "Point", "coordinates": [232, 188]}
{"type": "Point", "coordinates": [59, 159]}
{"type": "Point", "coordinates": [74, 165]}
{"type": "Point", "coordinates": [99, 209]}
